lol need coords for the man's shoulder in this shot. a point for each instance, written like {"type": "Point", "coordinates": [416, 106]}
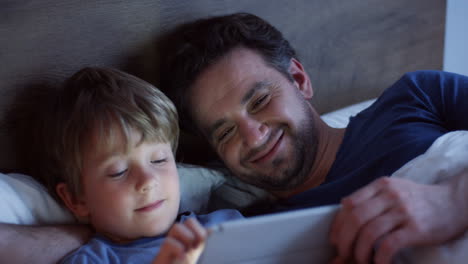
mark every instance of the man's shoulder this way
{"type": "Point", "coordinates": [416, 78]}
{"type": "Point", "coordinates": [431, 76]}
{"type": "Point", "coordinates": [424, 73]}
{"type": "Point", "coordinates": [423, 84]}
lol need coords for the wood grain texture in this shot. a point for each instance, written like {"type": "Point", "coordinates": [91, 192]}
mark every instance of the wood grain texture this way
{"type": "Point", "coordinates": [352, 49]}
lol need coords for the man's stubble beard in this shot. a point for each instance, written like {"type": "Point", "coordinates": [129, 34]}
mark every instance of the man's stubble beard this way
{"type": "Point", "coordinates": [297, 169]}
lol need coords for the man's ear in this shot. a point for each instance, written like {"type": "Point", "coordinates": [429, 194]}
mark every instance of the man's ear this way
{"type": "Point", "coordinates": [74, 204]}
{"type": "Point", "coordinates": [301, 79]}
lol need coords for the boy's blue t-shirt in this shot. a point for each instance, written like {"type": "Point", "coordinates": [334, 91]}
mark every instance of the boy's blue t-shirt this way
{"type": "Point", "coordinates": [100, 250]}
{"type": "Point", "coordinates": [402, 124]}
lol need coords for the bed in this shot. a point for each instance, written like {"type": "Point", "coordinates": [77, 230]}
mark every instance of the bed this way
{"type": "Point", "coordinates": [352, 51]}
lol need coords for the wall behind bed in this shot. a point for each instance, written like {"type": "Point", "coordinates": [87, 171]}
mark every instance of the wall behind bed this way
{"type": "Point", "coordinates": [352, 49]}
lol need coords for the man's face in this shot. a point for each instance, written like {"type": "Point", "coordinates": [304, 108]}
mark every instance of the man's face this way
{"type": "Point", "coordinates": [258, 121]}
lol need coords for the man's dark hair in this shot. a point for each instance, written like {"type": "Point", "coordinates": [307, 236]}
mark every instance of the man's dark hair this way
{"type": "Point", "coordinates": [193, 47]}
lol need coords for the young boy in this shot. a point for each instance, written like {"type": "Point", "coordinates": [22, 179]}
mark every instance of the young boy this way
{"type": "Point", "coordinates": [113, 148]}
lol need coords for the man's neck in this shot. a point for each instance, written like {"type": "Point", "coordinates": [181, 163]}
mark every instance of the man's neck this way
{"type": "Point", "coordinates": [329, 142]}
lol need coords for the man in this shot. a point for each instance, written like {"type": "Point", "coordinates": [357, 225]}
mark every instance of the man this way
{"type": "Point", "coordinates": [238, 82]}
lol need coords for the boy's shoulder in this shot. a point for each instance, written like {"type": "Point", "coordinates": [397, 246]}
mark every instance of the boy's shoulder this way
{"type": "Point", "coordinates": [101, 250]}
{"type": "Point", "coordinates": [87, 253]}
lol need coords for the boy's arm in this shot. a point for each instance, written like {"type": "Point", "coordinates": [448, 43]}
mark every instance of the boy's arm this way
{"type": "Point", "coordinates": [40, 244]}
{"type": "Point", "coordinates": [183, 245]}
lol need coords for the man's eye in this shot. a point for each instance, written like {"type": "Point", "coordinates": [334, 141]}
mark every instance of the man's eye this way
{"type": "Point", "coordinates": [261, 101]}
{"type": "Point", "coordinates": [158, 161]}
{"type": "Point", "coordinates": [224, 135]}
{"type": "Point", "coordinates": [118, 174]}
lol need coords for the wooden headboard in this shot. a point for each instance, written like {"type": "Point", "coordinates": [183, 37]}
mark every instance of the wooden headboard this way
{"type": "Point", "coordinates": [351, 49]}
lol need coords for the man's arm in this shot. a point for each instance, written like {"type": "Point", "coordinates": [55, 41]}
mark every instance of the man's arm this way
{"type": "Point", "coordinates": [40, 244]}
{"type": "Point", "coordinates": [393, 213]}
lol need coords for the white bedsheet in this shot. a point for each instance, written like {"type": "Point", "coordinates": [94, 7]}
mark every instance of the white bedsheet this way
{"type": "Point", "coordinates": [447, 157]}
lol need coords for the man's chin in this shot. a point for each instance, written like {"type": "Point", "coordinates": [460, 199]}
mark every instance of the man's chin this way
{"type": "Point", "coordinates": [271, 182]}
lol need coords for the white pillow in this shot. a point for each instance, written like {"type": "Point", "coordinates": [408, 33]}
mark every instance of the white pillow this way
{"type": "Point", "coordinates": [25, 201]}
{"type": "Point", "coordinates": [196, 186]}
{"type": "Point", "coordinates": [340, 118]}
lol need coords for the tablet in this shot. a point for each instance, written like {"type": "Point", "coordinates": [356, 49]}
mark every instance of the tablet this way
{"type": "Point", "coordinates": [292, 237]}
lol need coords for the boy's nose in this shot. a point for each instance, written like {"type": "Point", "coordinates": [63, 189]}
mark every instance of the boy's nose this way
{"type": "Point", "coordinates": [146, 181]}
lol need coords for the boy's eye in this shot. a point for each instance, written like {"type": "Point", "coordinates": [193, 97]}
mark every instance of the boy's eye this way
{"type": "Point", "coordinates": [118, 174]}
{"type": "Point", "coordinates": [257, 104]}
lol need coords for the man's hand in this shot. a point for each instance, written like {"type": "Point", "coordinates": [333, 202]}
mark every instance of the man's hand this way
{"type": "Point", "coordinates": [390, 214]}
{"type": "Point", "coordinates": [184, 243]}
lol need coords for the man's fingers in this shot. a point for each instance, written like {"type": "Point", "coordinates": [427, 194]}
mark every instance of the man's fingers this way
{"type": "Point", "coordinates": [339, 260]}
{"type": "Point", "coordinates": [391, 244]}
{"type": "Point", "coordinates": [348, 204]}
{"type": "Point", "coordinates": [354, 219]}
{"type": "Point", "coordinates": [336, 225]}
{"type": "Point", "coordinates": [373, 231]}
{"type": "Point", "coordinates": [366, 192]}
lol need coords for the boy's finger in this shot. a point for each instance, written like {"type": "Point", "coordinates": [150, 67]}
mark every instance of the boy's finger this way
{"type": "Point", "coordinates": [197, 229]}
{"type": "Point", "coordinates": [183, 234]}
{"type": "Point", "coordinates": [171, 249]}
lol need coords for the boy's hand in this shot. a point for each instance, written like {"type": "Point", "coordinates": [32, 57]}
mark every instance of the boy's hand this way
{"type": "Point", "coordinates": [184, 243]}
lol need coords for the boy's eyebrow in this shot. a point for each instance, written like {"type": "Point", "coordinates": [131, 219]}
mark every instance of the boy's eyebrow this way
{"type": "Point", "coordinates": [113, 149]}
{"type": "Point", "coordinates": [108, 154]}
{"type": "Point", "coordinates": [246, 98]}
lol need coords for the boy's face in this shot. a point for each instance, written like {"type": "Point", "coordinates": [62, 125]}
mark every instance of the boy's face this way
{"type": "Point", "coordinates": [130, 195]}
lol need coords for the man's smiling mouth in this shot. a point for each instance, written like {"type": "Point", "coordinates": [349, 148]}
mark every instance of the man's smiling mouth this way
{"type": "Point", "coordinates": [269, 149]}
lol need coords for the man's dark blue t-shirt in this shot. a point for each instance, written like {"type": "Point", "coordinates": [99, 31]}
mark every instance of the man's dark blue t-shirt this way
{"type": "Point", "coordinates": [402, 124]}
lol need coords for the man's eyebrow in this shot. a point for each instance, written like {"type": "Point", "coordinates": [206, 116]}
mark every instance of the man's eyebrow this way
{"type": "Point", "coordinates": [257, 86]}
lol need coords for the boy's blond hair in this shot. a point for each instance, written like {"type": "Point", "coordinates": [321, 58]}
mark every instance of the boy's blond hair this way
{"type": "Point", "coordinates": [102, 100]}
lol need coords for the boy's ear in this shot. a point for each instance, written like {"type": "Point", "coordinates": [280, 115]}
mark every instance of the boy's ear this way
{"type": "Point", "coordinates": [74, 204]}
{"type": "Point", "coordinates": [301, 79]}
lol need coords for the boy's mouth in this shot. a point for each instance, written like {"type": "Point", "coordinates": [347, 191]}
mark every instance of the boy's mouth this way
{"type": "Point", "coordinates": [151, 206]}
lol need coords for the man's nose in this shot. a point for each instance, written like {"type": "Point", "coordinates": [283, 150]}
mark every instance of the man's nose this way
{"type": "Point", "coordinates": [146, 180]}
{"type": "Point", "coordinates": [253, 132]}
